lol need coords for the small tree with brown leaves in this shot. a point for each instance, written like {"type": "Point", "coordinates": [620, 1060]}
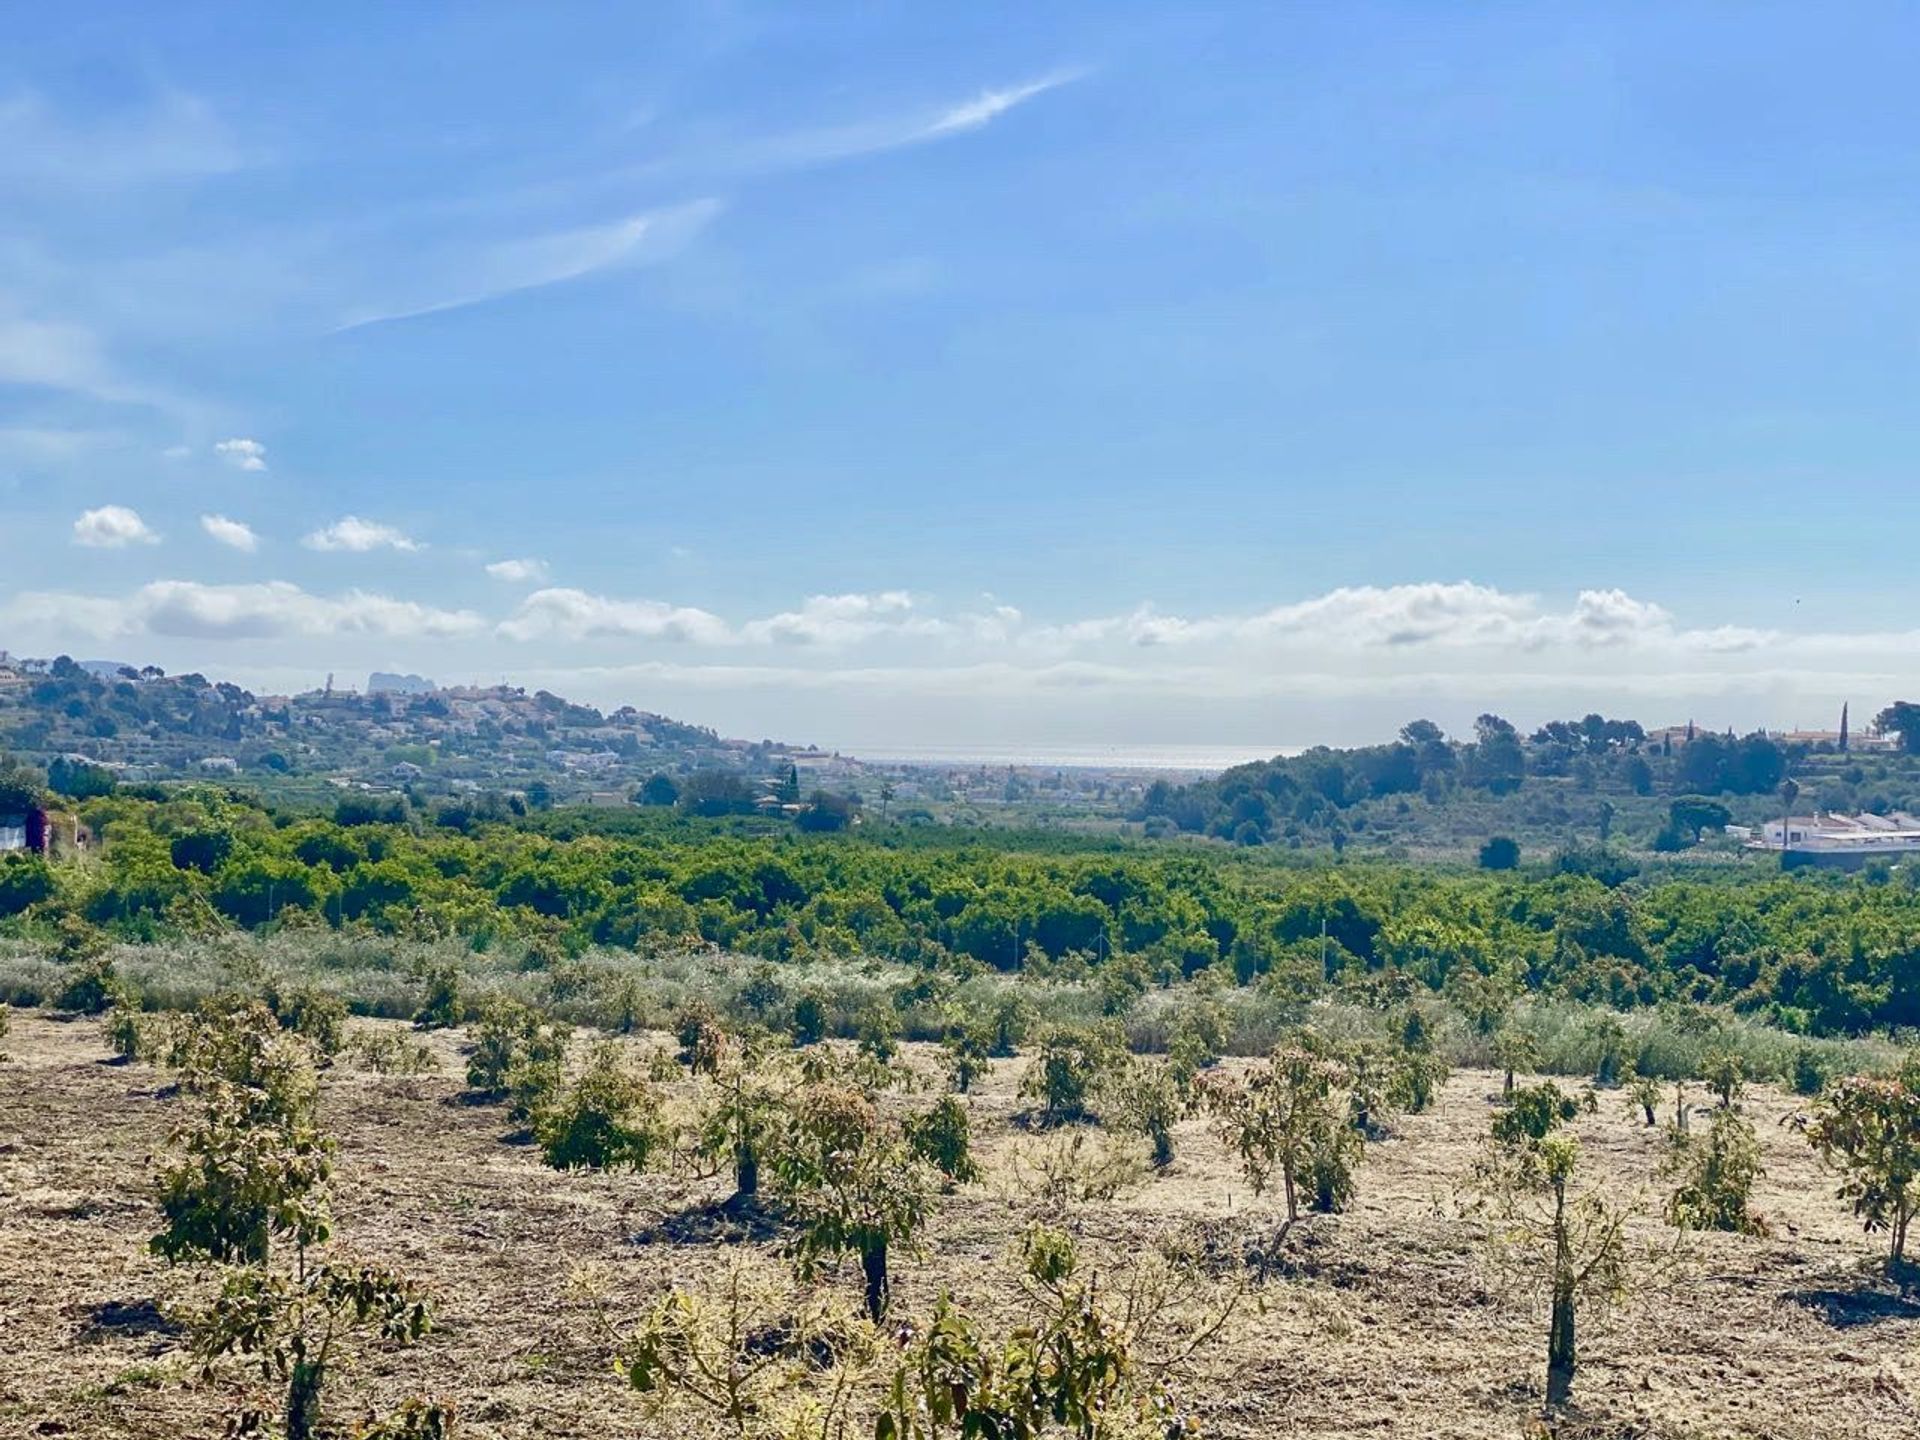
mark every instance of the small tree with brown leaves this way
{"type": "Point", "coordinates": [851, 1185]}
{"type": "Point", "coordinates": [1281, 1116]}
{"type": "Point", "coordinates": [746, 1349]}
{"type": "Point", "coordinates": [293, 1324]}
{"type": "Point", "coordinates": [1557, 1238]}
{"type": "Point", "coordinates": [1868, 1128]}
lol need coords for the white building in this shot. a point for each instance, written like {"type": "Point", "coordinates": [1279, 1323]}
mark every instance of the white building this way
{"type": "Point", "coordinates": [1840, 840]}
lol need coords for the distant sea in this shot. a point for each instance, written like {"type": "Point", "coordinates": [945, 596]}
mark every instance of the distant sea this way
{"type": "Point", "coordinates": [1191, 759]}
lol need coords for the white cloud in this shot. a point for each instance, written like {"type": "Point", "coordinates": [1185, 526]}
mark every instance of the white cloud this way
{"type": "Point", "coordinates": [176, 452]}
{"type": "Point", "coordinates": [826, 144]}
{"type": "Point", "coordinates": [236, 534]}
{"type": "Point", "coordinates": [242, 453]}
{"type": "Point", "coordinates": [560, 614]}
{"type": "Point", "coordinates": [989, 105]}
{"type": "Point", "coordinates": [839, 620]}
{"type": "Point", "coordinates": [518, 572]}
{"type": "Point", "coordinates": [359, 536]}
{"type": "Point", "coordinates": [187, 609]}
{"type": "Point", "coordinates": [112, 527]}
{"type": "Point", "coordinates": [488, 272]}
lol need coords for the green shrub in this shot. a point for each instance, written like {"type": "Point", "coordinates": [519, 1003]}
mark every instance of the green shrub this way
{"type": "Point", "coordinates": [1065, 1068]}
{"type": "Point", "coordinates": [126, 1036]}
{"type": "Point", "coordinates": [809, 1020]}
{"type": "Point", "coordinates": [608, 1119]}
{"type": "Point", "coordinates": [1536, 1111]}
{"type": "Point", "coordinates": [389, 1052]}
{"type": "Point", "coordinates": [942, 1136]}
{"type": "Point", "coordinates": [319, 1015]}
{"type": "Point", "coordinates": [967, 1050]}
{"type": "Point", "coordinates": [1716, 1174]}
{"type": "Point", "coordinates": [1810, 1070]}
{"type": "Point", "coordinates": [442, 1006]}
{"type": "Point", "coordinates": [92, 987]}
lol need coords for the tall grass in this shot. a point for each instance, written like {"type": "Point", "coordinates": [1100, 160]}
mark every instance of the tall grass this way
{"type": "Point", "coordinates": [381, 976]}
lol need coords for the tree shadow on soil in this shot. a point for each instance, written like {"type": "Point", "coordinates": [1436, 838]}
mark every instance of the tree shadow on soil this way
{"type": "Point", "coordinates": [1868, 1301]}
{"type": "Point", "coordinates": [126, 1317]}
{"type": "Point", "coordinates": [738, 1220]}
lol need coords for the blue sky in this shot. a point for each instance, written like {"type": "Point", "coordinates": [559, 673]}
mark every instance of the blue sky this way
{"type": "Point", "coordinates": [884, 374]}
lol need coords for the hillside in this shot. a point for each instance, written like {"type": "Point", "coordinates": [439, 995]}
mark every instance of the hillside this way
{"type": "Point", "coordinates": [143, 724]}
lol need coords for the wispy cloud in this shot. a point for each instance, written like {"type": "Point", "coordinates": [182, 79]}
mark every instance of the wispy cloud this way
{"type": "Point", "coordinates": [512, 266]}
{"type": "Point", "coordinates": [351, 533]}
{"type": "Point", "coordinates": [826, 144]}
{"type": "Point", "coordinates": [112, 527]}
{"type": "Point", "coordinates": [234, 534]}
{"type": "Point", "coordinates": [172, 136]}
{"type": "Point", "coordinates": [990, 105]}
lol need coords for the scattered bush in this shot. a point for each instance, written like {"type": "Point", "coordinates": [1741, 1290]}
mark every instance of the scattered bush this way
{"type": "Point", "coordinates": [1716, 1175]}
{"type": "Point", "coordinates": [1065, 1069]}
{"type": "Point", "coordinates": [942, 1136]}
{"type": "Point", "coordinates": [608, 1119]}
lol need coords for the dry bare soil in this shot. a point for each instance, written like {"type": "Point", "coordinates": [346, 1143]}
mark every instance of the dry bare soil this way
{"type": "Point", "coordinates": [1384, 1321]}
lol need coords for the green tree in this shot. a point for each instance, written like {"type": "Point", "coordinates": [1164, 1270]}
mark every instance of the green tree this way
{"type": "Point", "coordinates": [1901, 718]}
{"type": "Point", "coordinates": [1502, 852]}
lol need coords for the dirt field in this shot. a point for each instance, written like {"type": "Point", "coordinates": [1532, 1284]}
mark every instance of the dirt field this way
{"type": "Point", "coordinates": [1381, 1323]}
